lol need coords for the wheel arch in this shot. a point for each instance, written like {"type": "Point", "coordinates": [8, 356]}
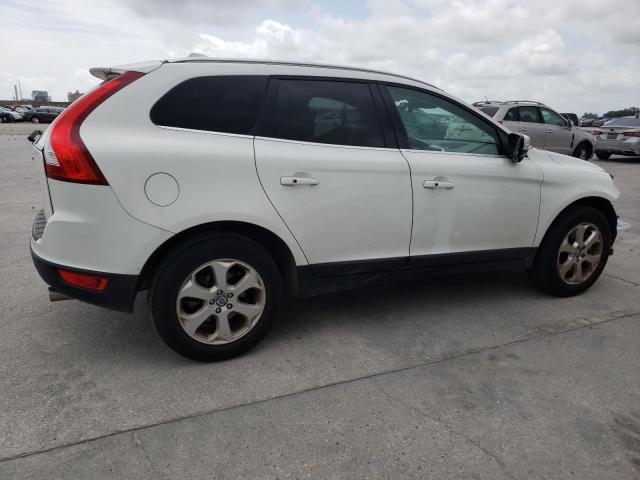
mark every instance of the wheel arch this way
{"type": "Point", "coordinates": [599, 203]}
{"type": "Point", "coordinates": [271, 242]}
{"type": "Point", "coordinates": [584, 141]}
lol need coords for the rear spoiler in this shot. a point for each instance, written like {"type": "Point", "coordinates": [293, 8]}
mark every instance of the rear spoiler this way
{"type": "Point", "coordinates": [106, 73]}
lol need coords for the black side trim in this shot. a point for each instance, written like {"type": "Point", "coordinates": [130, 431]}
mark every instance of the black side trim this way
{"type": "Point", "coordinates": [481, 256]}
{"type": "Point", "coordinates": [318, 279]}
{"type": "Point", "coordinates": [359, 266]}
{"type": "Point", "coordinates": [119, 294]}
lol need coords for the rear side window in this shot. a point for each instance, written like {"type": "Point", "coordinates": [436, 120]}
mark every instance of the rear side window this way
{"type": "Point", "coordinates": [340, 113]}
{"type": "Point", "coordinates": [227, 104]}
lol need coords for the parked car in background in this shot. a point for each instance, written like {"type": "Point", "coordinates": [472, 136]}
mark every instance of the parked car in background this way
{"type": "Point", "coordinates": [619, 136]}
{"type": "Point", "coordinates": [546, 128]}
{"type": "Point", "coordinates": [16, 116]}
{"type": "Point", "coordinates": [225, 186]}
{"type": "Point", "coordinates": [573, 117]}
{"type": "Point", "coordinates": [42, 115]}
{"type": "Point", "coordinates": [6, 117]}
{"type": "Point", "coordinates": [22, 109]}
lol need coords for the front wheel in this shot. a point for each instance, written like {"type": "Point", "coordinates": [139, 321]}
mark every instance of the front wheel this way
{"type": "Point", "coordinates": [215, 297]}
{"type": "Point", "coordinates": [573, 253]}
{"type": "Point", "coordinates": [583, 151]}
{"type": "Point", "coordinates": [35, 120]}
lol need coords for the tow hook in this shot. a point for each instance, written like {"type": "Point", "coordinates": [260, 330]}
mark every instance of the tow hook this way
{"type": "Point", "coordinates": [56, 296]}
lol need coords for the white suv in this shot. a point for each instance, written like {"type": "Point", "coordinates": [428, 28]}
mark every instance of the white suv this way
{"type": "Point", "coordinates": [221, 186]}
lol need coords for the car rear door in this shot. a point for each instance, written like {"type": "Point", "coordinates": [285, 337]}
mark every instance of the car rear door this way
{"type": "Point", "coordinates": [471, 203]}
{"type": "Point", "coordinates": [336, 179]}
{"type": "Point", "coordinates": [558, 134]}
{"type": "Point", "coordinates": [530, 124]}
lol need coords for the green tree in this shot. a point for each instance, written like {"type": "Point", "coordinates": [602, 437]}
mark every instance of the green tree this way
{"type": "Point", "coordinates": [626, 112]}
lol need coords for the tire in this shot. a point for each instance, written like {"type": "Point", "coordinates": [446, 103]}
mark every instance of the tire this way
{"type": "Point", "coordinates": [545, 273]}
{"type": "Point", "coordinates": [603, 155]}
{"type": "Point", "coordinates": [35, 119]}
{"type": "Point", "coordinates": [583, 151]}
{"type": "Point", "coordinates": [194, 262]}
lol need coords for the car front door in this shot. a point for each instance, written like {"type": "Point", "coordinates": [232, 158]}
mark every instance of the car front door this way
{"type": "Point", "coordinates": [341, 186]}
{"type": "Point", "coordinates": [558, 134]}
{"type": "Point", "coordinates": [470, 201]}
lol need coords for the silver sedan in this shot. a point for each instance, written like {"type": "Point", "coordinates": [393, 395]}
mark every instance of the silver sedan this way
{"type": "Point", "coordinates": [619, 136]}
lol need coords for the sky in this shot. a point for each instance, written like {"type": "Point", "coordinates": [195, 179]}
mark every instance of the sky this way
{"type": "Point", "coordinates": [574, 55]}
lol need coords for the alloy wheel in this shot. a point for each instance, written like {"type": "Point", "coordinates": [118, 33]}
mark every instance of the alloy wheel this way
{"type": "Point", "coordinates": [220, 301]}
{"type": "Point", "coordinates": [580, 253]}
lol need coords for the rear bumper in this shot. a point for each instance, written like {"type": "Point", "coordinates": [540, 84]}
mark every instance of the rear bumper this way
{"type": "Point", "coordinates": [119, 294]}
{"type": "Point", "coordinates": [619, 151]}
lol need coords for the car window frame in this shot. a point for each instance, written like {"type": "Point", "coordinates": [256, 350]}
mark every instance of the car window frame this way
{"type": "Point", "coordinates": [265, 122]}
{"type": "Point", "coordinates": [401, 133]}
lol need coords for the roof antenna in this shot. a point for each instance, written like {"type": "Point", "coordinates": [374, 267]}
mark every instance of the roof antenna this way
{"type": "Point", "coordinates": [485, 97]}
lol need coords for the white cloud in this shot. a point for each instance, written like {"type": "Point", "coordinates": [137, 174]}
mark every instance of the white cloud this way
{"type": "Point", "coordinates": [577, 55]}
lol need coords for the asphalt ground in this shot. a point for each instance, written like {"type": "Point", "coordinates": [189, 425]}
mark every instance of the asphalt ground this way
{"type": "Point", "coordinates": [475, 376]}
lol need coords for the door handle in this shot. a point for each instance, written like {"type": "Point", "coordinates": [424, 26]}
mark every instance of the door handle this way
{"type": "Point", "coordinates": [523, 129]}
{"type": "Point", "coordinates": [291, 181]}
{"type": "Point", "coordinates": [438, 184]}
{"type": "Point", "coordinates": [549, 131]}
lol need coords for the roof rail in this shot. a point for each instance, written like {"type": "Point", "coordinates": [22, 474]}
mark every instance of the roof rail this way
{"type": "Point", "coordinates": [198, 57]}
{"type": "Point", "coordinates": [525, 101]}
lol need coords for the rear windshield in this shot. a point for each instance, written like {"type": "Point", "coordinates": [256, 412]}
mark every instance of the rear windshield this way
{"type": "Point", "coordinates": [227, 104]}
{"type": "Point", "coordinates": [627, 122]}
{"type": "Point", "coordinates": [491, 111]}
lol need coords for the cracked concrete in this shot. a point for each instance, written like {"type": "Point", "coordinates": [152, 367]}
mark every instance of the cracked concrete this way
{"type": "Point", "coordinates": [463, 377]}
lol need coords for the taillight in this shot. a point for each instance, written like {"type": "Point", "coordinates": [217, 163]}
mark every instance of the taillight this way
{"type": "Point", "coordinates": [83, 280]}
{"type": "Point", "coordinates": [597, 133]}
{"type": "Point", "coordinates": [631, 134]}
{"type": "Point", "coordinates": [67, 157]}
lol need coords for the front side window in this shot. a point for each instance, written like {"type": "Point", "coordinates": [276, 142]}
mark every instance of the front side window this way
{"type": "Point", "coordinates": [552, 118]}
{"type": "Point", "coordinates": [227, 104]}
{"type": "Point", "coordinates": [433, 123]}
{"type": "Point", "coordinates": [339, 113]}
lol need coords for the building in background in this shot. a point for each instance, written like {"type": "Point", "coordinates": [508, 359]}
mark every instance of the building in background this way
{"type": "Point", "coordinates": [40, 96]}
{"type": "Point", "coordinates": [73, 96]}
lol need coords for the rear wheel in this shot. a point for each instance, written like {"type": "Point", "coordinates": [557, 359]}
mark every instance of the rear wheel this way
{"type": "Point", "coordinates": [603, 155]}
{"type": "Point", "coordinates": [573, 253]}
{"type": "Point", "coordinates": [35, 119]}
{"type": "Point", "coordinates": [583, 151]}
{"type": "Point", "coordinates": [216, 297]}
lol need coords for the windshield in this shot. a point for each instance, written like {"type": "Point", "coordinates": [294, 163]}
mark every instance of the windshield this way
{"type": "Point", "coordinates": [491, 111]}
{"type": "Point", "coordinates": [627, 122]}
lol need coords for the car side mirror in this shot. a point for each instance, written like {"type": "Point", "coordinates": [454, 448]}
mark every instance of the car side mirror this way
{"type": "Point", "coordinates": [517, 146]}
{"type": "Point", "coordinates": [35, 135]}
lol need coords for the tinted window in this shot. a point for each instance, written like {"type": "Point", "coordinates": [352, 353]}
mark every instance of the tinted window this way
{"type": "Point", "coordinates": [491, 111]}
{"type": "Point", "coordinates": [512, 115]}
{"type": "Point", "coordinates": [321, 111]}
{"type": "Point", "coordinates": [227, 104]}
{"type": "Point", "coordinates": [528, 114]}
{"type": "Point", "coordinates": [433, 123]}
{"type": "Point", "coordinates": [552, 118]}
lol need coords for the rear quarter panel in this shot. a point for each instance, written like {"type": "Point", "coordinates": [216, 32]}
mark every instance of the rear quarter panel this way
{"type": "Point", "coordinates": [216, 172]}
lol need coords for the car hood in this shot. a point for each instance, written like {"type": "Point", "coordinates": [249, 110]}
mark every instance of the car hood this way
{"type": "Point", "coordinates": [576, 163]}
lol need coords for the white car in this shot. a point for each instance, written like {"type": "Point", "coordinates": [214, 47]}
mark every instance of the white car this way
{"type": "Point", "coordinates": [222, 186]}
